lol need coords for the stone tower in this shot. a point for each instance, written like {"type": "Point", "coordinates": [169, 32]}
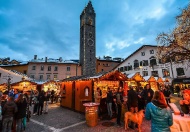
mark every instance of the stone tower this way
{"type": "Point", "coordinates": [88, 40]}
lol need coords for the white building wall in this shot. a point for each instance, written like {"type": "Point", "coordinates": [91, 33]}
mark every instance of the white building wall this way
{"type": "Point", "coordinates": [5, 74]}
{"type": "Point", "coordinates": [159, 67]}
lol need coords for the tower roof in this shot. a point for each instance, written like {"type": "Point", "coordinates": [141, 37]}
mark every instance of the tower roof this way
{"type": "Point", "coordinates": [88, 9]}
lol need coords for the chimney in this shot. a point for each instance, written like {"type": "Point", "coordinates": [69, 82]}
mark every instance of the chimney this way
{"type": "Point", "coordinates": [45, 59]}
{"type": "Point", "coordinates": [60, 59]}
{"type": "Point", "coordinates": [35, 57]}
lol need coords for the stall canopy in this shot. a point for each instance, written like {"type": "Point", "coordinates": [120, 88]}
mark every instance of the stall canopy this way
{"type": "Point", "coordinates": [136, 77]}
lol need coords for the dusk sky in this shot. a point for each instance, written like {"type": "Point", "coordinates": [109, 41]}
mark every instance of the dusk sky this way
{"type": "Point", "coordinates": [50, 28]}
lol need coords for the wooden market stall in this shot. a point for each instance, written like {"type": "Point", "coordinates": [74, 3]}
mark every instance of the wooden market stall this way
{"type": "Point", "coordinates": [66, 94]}
{"type": "Point", "coordinates": [80, 90]}
{"type": "Point", "coordinates": [135, 79]}
{"type": "Point", "coordinates": [24, 85]}
{"type": "Point", "coordinates": [51, 85]}
{"type": "Point", "coordinates": [160, 82]}
{"type": "Point", "coordinates": [3, 87]}
{"type": "Point", "coordinates": [152, 81]}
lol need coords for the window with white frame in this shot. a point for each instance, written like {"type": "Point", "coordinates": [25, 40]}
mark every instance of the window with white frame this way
{"type": "Point", "coordinates": [151, 51]}
{"type": "Point", "coordinates": [145, 73]}
{"type": "Point", "coordinates": [142, 53]}
{"type": "Point", "coordinates": [180, 71]}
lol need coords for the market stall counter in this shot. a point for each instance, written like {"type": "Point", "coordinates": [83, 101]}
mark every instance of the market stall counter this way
{"type": "Point", "coordinates": [91, 113]}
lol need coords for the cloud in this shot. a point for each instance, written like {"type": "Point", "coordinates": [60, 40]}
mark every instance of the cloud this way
{"type": "Point", "coordinates": [139, 41]}
{"type": "Point", "coordinates": [51, 28]}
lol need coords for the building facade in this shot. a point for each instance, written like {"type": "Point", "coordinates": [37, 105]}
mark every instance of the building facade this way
{"type": "Point", "coordinates": [144, 61]}
{"type": "Point", "coordinates": [88, 40]}
{"type": "Point", "coordinates": [21, 67]}
{"type": "Point", "coordinates": [52, 69]}
{"type": "Point", "coordinates": [106, 64]}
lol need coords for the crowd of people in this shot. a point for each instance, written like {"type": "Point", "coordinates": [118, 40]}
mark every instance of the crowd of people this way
{"type": "Point", "coordinates": [17, 106]}
{"type": "Point", "coordinates": [155, 104]}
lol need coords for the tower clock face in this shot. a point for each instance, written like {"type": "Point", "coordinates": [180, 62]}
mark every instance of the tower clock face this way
{"type": "Point", "coordinates": [90, 42]}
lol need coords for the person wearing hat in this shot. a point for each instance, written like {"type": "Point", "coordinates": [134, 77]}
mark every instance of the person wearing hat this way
{"type": "Point", "coordinates": [185, 102]}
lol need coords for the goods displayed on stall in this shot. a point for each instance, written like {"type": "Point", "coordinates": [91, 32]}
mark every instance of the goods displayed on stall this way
{"type": "Point", "coordinates": [103, 85]}
{"type": "Point", "coordinates": [180, 83]}
{"type": "Point", "coordinates": [51, 85]}
{"type": "Point", "coordinates": [3, 87]}
{"type": "Point", "coordinates": [24, 85]}
{"type": "Point", "coordinates": [135, 80]}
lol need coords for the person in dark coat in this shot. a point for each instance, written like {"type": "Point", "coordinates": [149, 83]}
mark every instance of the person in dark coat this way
{"type": "Point", "coordinates": [8, 111]}
{"type": "Point", "coordinates": [132, 100]}
{"type": "Point", "coordinates": [41, 99]}
{"type": "Point", "coordinates": [119, 101]}
{"type": "Point", "coordinates": [177, 90]}
{"type": "Point", "coordinates": [167, 94]}
{"type": "Point", "coordinates": [148, 93]}
{"type": "Point", "coordinates": [21, 103]}
{"type": "Point", "coordinates": [109, 101]}
{"type": "Point", "coordinates": [52, 96]}
{"type": "Point", "coordinates": [141, 101]}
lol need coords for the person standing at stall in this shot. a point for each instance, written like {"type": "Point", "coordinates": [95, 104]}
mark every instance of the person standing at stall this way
{"type": "Point", "coordinates": [109, 100]}
{"type": "Point", "coordinates": [52, 96]}
{"type": "Point", "coordinates": [132, 103]}
{"type": "Point", "coordinates": [119, 100]}
{"type": "Point", "coordinates": [47, 96]}
{"type": "Point", "coordinates": [98, 99]}
{"type": "Point", "coordinates": [141, 101]}
{"type": "Point", "coordinates": [132, 100]}
{"type": "Point", "coordinates": [148, 94]}
{"type": "Point", "coordinates": [41, 99]}
{"type": "Point", "coordinates": [167, 94]}
{"type": "Point", "coordinates": [21, 103]}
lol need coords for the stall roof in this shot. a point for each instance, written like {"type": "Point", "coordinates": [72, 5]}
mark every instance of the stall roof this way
{"type": "Point", "coordinates": [84, 77]}
{"type": "Point", "coordinates": [24, 81]}
{"type": "Point", "coordinates": [150, 78]}
{"type": "Point", "coordinates": [159, 79]}
{"type": "Point", "coordinates": [135, 76]}
{"type": "Point", "coordinates": [112, 76]}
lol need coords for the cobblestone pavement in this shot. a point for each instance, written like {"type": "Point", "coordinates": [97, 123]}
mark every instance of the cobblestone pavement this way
{"type": "Point", "coordinates": [60, 119]}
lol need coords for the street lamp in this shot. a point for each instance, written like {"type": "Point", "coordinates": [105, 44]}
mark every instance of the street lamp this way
{"type": "Point", "coordinates": [8, 78]}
